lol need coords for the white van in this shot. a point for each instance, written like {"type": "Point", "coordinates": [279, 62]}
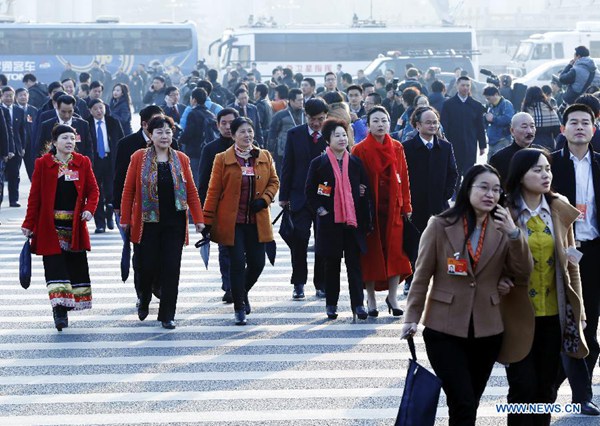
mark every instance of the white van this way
{"type": "Point", "coordinates": [543, 74]}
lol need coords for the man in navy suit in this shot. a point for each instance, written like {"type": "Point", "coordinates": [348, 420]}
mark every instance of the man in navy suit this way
{"type": "Point", "coordinates": [30, 113]}
{"type": "Point", "coordinates": [304, 143]}
{"type": "Point", "coordinates": [246, 109]}
{"type": "Point", "coordinates": [106, 132]}
{"type": "Point", "coordinates": [64, 115]}
{"type": "Point", "coordinates": [171, 105]}
{"type": "Point", "coordinates": [13, 166]}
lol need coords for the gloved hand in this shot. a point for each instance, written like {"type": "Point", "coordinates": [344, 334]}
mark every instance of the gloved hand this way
{"type": "Point", "coordinates": [257, 205]}
{"type": "Point", "coordinates": [206, 231]}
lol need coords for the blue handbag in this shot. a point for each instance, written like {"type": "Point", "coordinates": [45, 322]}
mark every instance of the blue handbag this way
{"type": "Point", "coordinates": [421, 394]}
{"type": "Point", "coordinates": [25, 265]}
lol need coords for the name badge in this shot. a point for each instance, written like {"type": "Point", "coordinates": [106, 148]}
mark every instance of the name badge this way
{"type": "Point", "coordinates": [71, 175]}
{"type": "Point", "coordinates": [247, 171]}
{"type": "Point", "coordinates": [323, 189]}
{"type": "Point", "coordinates": [457, 267]}
{"type": "Point", "coordinates": [582, 212]}
{"type": "Point", "coordinates": [77, 138]}
{"type": "Point", "coordinates": [29, 118]}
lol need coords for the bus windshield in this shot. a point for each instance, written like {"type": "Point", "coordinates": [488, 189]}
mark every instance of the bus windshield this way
{"type": "Point", "coordinates": [523, 52]}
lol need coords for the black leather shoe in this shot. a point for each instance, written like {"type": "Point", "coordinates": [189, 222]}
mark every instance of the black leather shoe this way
{"type": "Point", "coordinates": [240, 317]}
{"type": "Point", "coordinates": [331, 311]}
{"type": "Point", "coordinates": [391, 310]}
{"type": "Point", "coordinates": [110, 223]}
{"type": "Point", "coordinates": [143, 310]}
{"type": "Point", "coordinates": [320, 294]}
{"type": "Point", "coordinates": [298, 293]}
{"type": "Point", "coordinates": [169, 325]}
{"type": "Point", "coordinates": [227, 297]}
{"type": "Point", "coordinates": [15, 205]}
{"type": "Point", "coordinates": [99, 231]}
{"type": "Point", "coordinates": [359, 311]}
{"type": "Point", "coordinates": [589, 409]}
{"type": "Point", "coordinates": [248, 308]}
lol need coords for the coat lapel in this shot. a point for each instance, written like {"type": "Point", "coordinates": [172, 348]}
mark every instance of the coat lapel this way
{"type": "Point", "coordinates": [456, 237]}
{"type": "Point", "coordinates": [491, 242]}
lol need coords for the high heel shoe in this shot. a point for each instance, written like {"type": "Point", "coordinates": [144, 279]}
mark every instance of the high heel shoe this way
{"type": "Point", "coordinates": [391, 310]}
{"type": "Point", "coordinates": [331, 311]}
{"type": "Point", "coordinates": [240, 317]}
{"type": "Point", "coordinates": [372, 312]}
{"type": "Point", "coordinates": [247, 306]}
{"type": "Point", "coordinates": [359, 311]}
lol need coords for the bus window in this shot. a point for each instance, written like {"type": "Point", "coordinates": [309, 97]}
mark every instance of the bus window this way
{"type": "Point", "coordinates": [559, 51]}
{"type": "Point", "coordinates": [542, 51]}
{"type": "Point", "coordinates": [240, 54]}
{"type": "Point", "coordinates": [523, 52]}
{"type": "Point", "coordinates": [594, 49]}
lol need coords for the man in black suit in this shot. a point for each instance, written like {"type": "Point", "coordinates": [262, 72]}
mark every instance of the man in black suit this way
{"type": "Point", "coordinates": [207, 158]}
{"type": "Point", "coordinates": [576, 170]}
{"type": "Point", "coordinates": [156, 93]}
{"type": "Point", "coordinates": [106, 133]}
{"type": "Point", "coordinates": [5, 150]}
{"type": "Point", "coordinates": [246, 109]}
{"type": "Point", "coordinates": [96, 91]}
{"type": "Point", "coordinates": [38, 93]}
{"type": "Point", "coordinates": [64, 115]}
{"type": "Point", "coordinates": [304, 143]}
{"type": "Point", "coordinates": [81, 106]}
{"type": "Point", "coordinates": [13, 166]}
{"type": "Point", "coordinates": [30, 113]}
{"type": "Point", "coordinates": [171, 105]}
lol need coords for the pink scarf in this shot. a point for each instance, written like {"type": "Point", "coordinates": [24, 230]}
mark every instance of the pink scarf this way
{"type": "Point", "coordinates": [343, 203]}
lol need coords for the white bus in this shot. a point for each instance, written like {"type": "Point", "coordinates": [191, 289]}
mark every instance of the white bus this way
{"type": "Point", "coordinates": [315, 51]}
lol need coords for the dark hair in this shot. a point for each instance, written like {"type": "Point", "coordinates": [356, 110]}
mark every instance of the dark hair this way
{"type": "Point", "coordinates": [315, 106]}
{"type": "Point", "coordinates": [391, 71]}
{"type": "Point", "coordinates": [21, 89]}
{"type": "Point", "coordinates": [329, 73]}
{"type": "Point", "coordinates": [146, 113]}
{"type": "Point", "coordinates": [262, 90]}
{"type": "Point", "coordinates": [347, 77]}
{"type": "Point", "coordinates": [298, 77]}
{"type": "Point", "coordinates": [84, 87]}
{"type": "Point", "coordinates": [57, 95]}
{"type": "Point", "coordinates": [96, 101]}
{"type": "Point", "coordinates": [329, 127]}
{"type": "Point", "coordinates": [227, 111]}
{"type": "Point", "coordinates": [591, 101]}
{"type": "Point", "coordinates": [199, 95]}
{"type": "Point", "coordinates": [376, 98]}
{"type": "Point", "coordinates": [240, 90]}
{"type": "Point", "coordinates": [547, 90]}
{"type": "Point", "coordinates": [582, 51]}
{"type": "Point", "coordinates": [158, 123]}
{"type": "Point", "coordinates": [55, 85]}
{"type": "Point", "coordinates": [355, 87]}
{"type": "Point", "coordinates": [293, 93]}
{"type": "Point", "coordinates": [206, 85]}
{"type": "Point", "coordinates": [380, 80]}
{"type": "Point", "coordinates": [534, 95]}
{"type": "Point", "coordinates": [65, 99]}
{"type": "Point", "coordinates": [69, 79]}
{"type": "Point", "coordinates": [238, 122]}
{"type": "Point", "coordinates": [96, 84]}
{"type": "Point", "coordinates": [125, 89]}
{"type": "Point", "coordinates": [491, 91]}
{"type": "Point", "coordinates": [462, 207]}
{"type": "Point", "coordinates": [412, 72]}
{"type": "Point", "coordinates": [376, 108]}
{"type": "Point", "coordinates": [7, 89]}
{"type": "Point", "coordinates": [463, 78]}
{"type": "Point", "coordinates": [212, 75]}
{"type": "Point", "coordinates": [367, 84]}
{"type": "Point", "coordinates": [577, 107]}
{"type": "Point", "coordinates": [333, 98]}
{"type": "Point", "coordinates": [438, 86]}
{"type": "Point", "coordinates": [521, 162]}
{"type": "Point", "coordinates": [170, 90]}
{"type": "Point", "coordinates": [310, 81]}
{"type": "Point", "coordinates": [418, 113]}
{"type": "Point", "coordinates": [282, 91]}
{"type": "Point", "coordinates": [159, 78]}
{"type": "Point", "coordinates": [288, 72]}
{"type": "Point", "coordinates": [29, 77]}
{"type": "Point", "coordinates": [84, 76]}
{"type": "Point", "coordinates": [409, 95]}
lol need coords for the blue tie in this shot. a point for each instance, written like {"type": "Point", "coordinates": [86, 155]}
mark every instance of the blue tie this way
{"type": "Point", "coordinates": [100, 140]}
{"type": "Point", "coordinates": [429, 145]}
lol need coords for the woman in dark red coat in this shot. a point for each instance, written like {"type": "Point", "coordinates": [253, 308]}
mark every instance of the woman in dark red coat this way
{"type": "Point", "coordinates": [385, 263]}
{"type": "Point", "coordinates": [63, 196]}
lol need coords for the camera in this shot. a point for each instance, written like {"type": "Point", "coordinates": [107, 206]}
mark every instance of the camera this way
{"type": "Point", "coordinates": [491, 77]}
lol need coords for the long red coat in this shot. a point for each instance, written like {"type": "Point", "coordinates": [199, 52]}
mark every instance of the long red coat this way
{"type": "Point", "coordinates": [375, 265]}
{"type": "Point", "coordinates": [40, 206]}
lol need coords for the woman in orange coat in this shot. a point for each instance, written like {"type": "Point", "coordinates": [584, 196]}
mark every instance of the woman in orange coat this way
{"type": "Point", "coordinates": [158, 190]}
{"type": "Point", "coordinates": [385, 264]}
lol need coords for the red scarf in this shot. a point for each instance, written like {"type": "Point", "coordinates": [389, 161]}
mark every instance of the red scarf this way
{"type": "Point", "coordinates": [343, 203]}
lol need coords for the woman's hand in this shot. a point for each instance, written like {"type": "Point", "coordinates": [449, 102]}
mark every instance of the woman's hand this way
{"type": "Point", "coordinates": [199, 228]}
{"type": "Point", "coordinates": [504, 221]}
{"type": "Point", "coordinates": [504, 286]}
{"type": "Point", "coordinates": [362, 189]}
{"type": "Point", "coordinates": [27, 232]}
{"type": "Point", "coordinates": [408, 329]}
{"type": "Point", "coordinates": [86, 215]}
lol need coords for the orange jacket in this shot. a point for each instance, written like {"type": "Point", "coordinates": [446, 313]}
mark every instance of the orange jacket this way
{"type": "Point", "coordinates": [131, 203]}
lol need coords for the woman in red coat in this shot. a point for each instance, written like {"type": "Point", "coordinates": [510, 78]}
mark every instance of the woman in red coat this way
{"type": "Point", "coordinates": [63, 196]}
{"type": "Point", "coordinates": [385, 264]}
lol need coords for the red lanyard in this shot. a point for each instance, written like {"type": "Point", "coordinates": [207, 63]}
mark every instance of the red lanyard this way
{"type": "Point", "coordinates": [477, 255]}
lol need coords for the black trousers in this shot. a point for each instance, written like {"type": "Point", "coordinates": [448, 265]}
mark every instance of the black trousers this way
{"type": "Point", "coordinates": [159, 255]}
{"type": "Point", "coordinates": [532, 380]}
{"type": "Point", "coordinates": [333, 271]}
{"type": "Point", "coordinates": [303, 221]}
{"type": "Point", "coordinates": [12, 174]}
{"type": "Point", "coordinates": [246, 262]}
{"type": "Point", "coordinates": [103, 170]}
{"type": "Point", "coordinates": [464, 366]}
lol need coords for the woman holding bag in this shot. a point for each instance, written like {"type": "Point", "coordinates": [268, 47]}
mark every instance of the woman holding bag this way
{"type": "Point", "coordinates": [63, 196]}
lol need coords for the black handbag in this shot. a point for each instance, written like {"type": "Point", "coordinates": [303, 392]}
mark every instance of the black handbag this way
{"type": "Point", "coordinates": [286, 228]}
{"type": "Point", "coordinates": [421, 394]}
{"type": "Point", "coordinates": [410, 240]}
{"type": "Point", "coordinates": [25, 265]}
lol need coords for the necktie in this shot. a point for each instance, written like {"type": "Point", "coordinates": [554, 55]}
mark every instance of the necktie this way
{"type": "Point", "coordinates": [429, 145]}
{"type": "Point", "coordinates": [100, 140]}
{"type": "Point", "coordinates": [176, 117]}
{"type": "Point", "coordinates": [315, 137]}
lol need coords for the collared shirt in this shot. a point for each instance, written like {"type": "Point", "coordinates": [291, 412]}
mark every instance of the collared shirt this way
{"type": "Point", "coordinates": [585, 228]}
{"type": "Point", "coordinates": [146, 137]}
{"type": "Point", "coordinates": [462, 99]}
{"type": "Point", "coordinates": [543, 211]}
{"type": "Point", "coordinates": [311, 131]}
{"type": "Point", "coordinates": [104, 134]}
{"type": "Point", "coordinates": [60, 120]}
{"type": "Point", "coordinates": [10, 110]}
{"type": "Point", "coordinates": [425, 141]}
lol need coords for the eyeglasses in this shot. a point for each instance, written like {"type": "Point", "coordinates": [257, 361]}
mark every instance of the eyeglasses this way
{"type": "Point", "coordinates": [430, 123]}
{"type": "Point", "coordinates": [496, 190]}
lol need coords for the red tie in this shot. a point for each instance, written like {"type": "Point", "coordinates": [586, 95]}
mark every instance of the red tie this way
{"type": "Point", "coordinates": [315, 136]}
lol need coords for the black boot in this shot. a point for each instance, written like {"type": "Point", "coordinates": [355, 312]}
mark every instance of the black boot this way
{"type": "Point", "coordinates": [61, 319]}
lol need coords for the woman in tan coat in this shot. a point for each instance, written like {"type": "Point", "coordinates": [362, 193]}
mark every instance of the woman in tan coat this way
{"type": "Point", "coordinates": [466, 250]}
{"type": "Point", "coordinates": [242, 185]}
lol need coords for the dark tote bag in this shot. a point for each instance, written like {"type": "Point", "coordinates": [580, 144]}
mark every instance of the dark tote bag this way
{"type": "Point", "coordinates": [410, 240]}
{"type": "Point", "coordinates": [421, 394]}
{"type": "Point", "coordinates": [286, 229]}
{"type": "Point", "coordinates": [25, 265]}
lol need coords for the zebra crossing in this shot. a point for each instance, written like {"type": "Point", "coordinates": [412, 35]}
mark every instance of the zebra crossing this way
{"type": "Point", "coordinates": [288, 366]}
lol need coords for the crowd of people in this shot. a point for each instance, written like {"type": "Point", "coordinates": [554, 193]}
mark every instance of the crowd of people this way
{"type": "Point", "coordinates": [497, 260]}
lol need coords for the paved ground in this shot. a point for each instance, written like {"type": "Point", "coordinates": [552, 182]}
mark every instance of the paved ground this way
{"type": "Point", "coordinates": [288, 366]}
